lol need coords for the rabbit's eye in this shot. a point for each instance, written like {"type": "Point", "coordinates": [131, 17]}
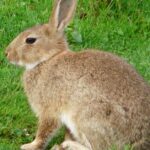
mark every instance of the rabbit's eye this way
{"type": "Point", "coordinates": [30, 40]}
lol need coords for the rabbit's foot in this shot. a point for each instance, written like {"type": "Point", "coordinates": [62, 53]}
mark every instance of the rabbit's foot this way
{"type": "Point", "coordinates": [71, 145]}
{"type": "Point", "coordinates": [32, 146]}
{"type": "Point", "coordinates": [57, 147]}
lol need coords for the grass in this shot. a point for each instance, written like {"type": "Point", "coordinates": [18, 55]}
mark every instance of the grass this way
{"type": "Point", "coordinates": [119, 26]}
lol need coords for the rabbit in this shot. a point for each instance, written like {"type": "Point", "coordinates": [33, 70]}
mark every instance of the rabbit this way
{"type": "Point", "coordinates": [99, 97]}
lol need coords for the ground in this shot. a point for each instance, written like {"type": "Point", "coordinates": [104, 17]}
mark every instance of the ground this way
{"type": "Point", "coordinates": [121, 27]}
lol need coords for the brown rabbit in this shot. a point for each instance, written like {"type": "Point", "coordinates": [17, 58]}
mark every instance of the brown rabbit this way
{"type": "Point", "coordinates": [100, 98]}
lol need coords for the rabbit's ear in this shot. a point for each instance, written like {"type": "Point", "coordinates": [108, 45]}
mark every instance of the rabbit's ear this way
{"type": "Point", "coordinates": [62, 14]}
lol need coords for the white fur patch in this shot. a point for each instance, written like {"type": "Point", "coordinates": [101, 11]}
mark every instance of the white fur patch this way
{"type": "Point", "coordinates": [66, 120]}
{"type": "Point", "coordinates": [31, 66]}
{"type": "Point", "coordinates": [14, 63]}
{"type": "Point", "coordinates": [20, 63]}
{"type": "Point", "coordinates": [28, 66]}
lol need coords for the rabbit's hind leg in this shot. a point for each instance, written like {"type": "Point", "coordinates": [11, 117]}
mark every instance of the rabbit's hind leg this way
{"type": "Point", "coordinates": [73, 145]}
{"type": "Point", "coordinates": [70, 145]}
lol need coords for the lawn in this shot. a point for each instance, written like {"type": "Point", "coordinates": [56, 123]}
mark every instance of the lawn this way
{"type": "Point", "coordinates": [120, 26]}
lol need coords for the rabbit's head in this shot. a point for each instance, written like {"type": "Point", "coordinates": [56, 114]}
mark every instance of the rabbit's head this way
{"type": "Point", "coordinates": [42, 42]}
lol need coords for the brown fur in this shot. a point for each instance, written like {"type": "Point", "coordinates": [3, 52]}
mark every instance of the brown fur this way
{"type": "Point", "coordinates": [107, 101]}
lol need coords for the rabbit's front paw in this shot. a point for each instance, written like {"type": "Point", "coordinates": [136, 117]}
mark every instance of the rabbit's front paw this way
{"type": "Point", "coordinates": [31, 146]}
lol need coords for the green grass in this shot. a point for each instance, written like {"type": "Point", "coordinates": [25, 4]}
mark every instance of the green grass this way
{"type": "Point", "coordinates": [120, 26]}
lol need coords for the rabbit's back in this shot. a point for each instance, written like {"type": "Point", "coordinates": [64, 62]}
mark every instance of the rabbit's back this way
{"type": "Point", "coordinates": [110, 101]}
{"type": "Point", "coordinates": [111, 94]}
